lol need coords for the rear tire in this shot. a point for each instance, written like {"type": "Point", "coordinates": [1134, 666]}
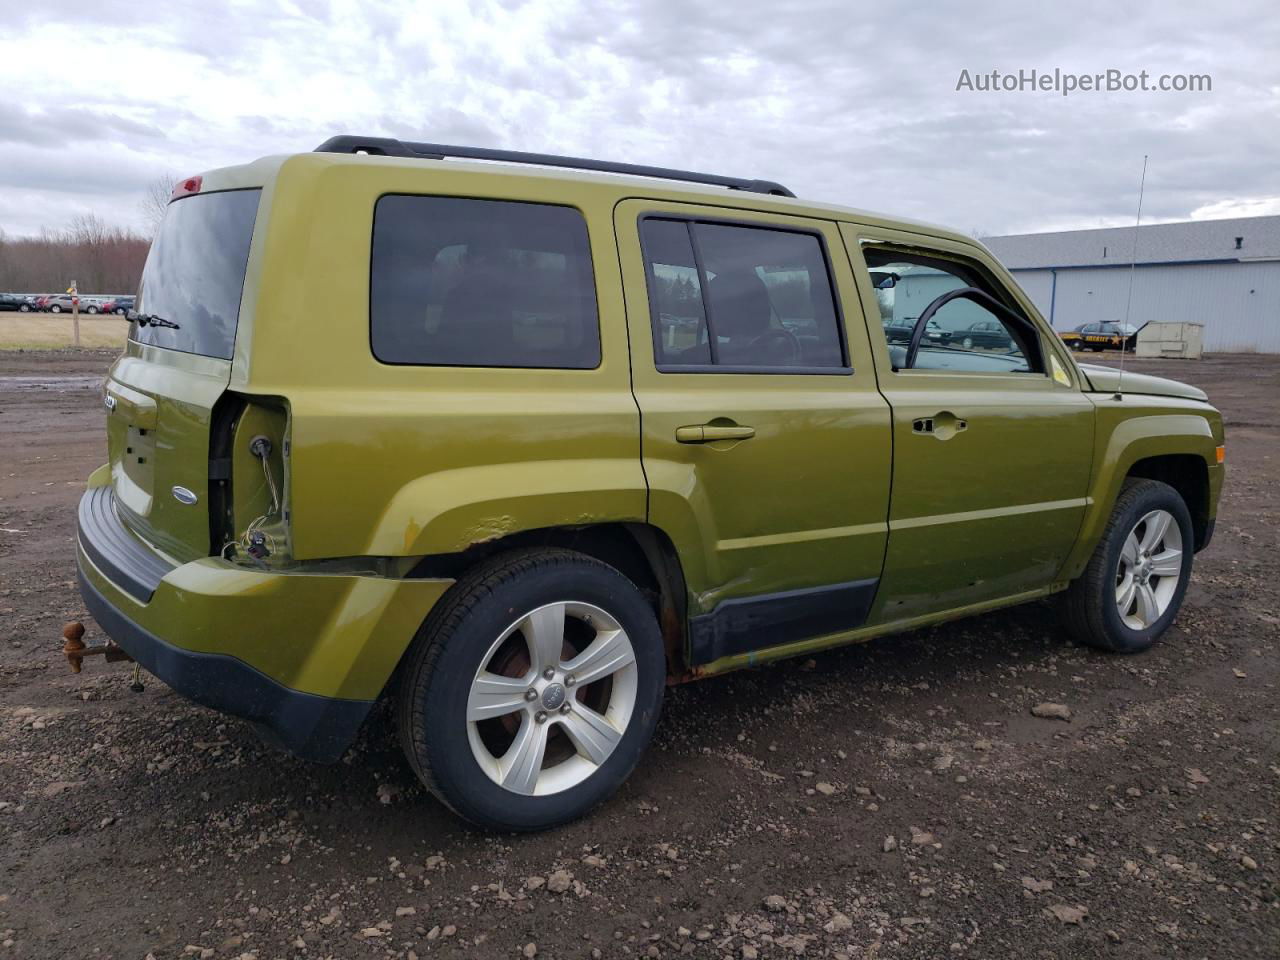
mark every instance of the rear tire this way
{"type": "Point", "coordinates": [1134, 584]}
{"type": "Point", "coordinates": [490, 712]}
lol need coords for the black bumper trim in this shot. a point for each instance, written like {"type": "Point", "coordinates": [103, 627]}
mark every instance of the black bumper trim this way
{"type": "Point", "coordinates": [122, 558]}
{"type": "Point", "coordinates": [309, 726]}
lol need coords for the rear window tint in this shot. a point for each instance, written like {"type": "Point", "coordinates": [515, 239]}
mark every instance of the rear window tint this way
{"type": "Point", "coordinates": [739, 297]}
{"type": "Point", "coordinates": [482, 283]}
{"type": "Point", "coordinates": [194, 275]}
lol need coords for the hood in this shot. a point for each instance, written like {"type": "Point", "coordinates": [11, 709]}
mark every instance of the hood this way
{"type": "Point", "coordinates": [1105, 379]}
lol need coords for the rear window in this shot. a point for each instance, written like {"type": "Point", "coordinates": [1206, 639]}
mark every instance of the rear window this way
{"type": "Point", "coordinates": [194, 276]}
{"type": "Point", "coordinates": [482, 283]}
{"type": "Point", "coordinates": [730, 297]}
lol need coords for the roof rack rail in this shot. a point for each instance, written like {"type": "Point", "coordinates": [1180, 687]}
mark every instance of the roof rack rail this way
{"type": "Point", "coordinates": [390, 147]}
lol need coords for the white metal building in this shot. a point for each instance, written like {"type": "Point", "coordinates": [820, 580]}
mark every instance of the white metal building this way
{"type": "Point", "coordinates": [1224, 274]}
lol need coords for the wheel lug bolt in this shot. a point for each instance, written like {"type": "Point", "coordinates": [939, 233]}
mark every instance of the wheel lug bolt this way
{"type": "Point", "coordinates": [570, 681]}
{"type": "Point", "coordinates": [531, 694]}
{"type": "Point", "coordinates": [565, 707]}
{"type": "Point", "coordinates": [548, 673]}
{"type": "Point", "coordinates": [540, 716]}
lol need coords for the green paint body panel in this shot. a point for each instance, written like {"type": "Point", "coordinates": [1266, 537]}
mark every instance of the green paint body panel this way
{"type": "Point", "coordinates": [387, 464]}
{"type": "Point", "coordinates": [335, 636]}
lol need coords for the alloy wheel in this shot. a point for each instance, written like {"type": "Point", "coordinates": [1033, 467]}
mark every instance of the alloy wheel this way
{"type": "Point", "coordinates": [552, 698]}
{"type": "Point", "coordinates": [1148, 570]}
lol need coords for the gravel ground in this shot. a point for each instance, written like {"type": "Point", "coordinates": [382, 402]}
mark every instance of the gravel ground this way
{"type": "Point", "coordinates": [894, 799]}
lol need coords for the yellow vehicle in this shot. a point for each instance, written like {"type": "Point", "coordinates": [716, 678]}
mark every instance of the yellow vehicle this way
{"type": "Point", "coordinates": [517, 440]}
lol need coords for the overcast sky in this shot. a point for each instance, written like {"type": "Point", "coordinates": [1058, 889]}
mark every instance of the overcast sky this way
{"type": "Point", "coordinates": [852, 103]}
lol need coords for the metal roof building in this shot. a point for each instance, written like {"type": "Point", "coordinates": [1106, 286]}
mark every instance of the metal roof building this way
{"type": "Point", "coordinates": [1224, 274]}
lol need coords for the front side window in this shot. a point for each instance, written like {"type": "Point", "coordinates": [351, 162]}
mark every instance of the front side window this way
{"type": "Point", "coordinates": [730, 296]}
{"type": "Point", "coordinates": [482, 283]}
{"type": "Point", "coordinates": [964, 326]}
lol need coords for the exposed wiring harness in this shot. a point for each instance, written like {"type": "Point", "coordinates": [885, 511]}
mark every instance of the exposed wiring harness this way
{"type": "Point", "coordinates": [256, 542]}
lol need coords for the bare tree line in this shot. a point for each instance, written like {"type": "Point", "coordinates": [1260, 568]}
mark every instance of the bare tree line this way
{"type": "Point", "coordinates": [100, 259]}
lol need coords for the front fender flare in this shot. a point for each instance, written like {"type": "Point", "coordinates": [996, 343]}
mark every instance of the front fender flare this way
{"type": "Point", "coordinates": [1129, 441]}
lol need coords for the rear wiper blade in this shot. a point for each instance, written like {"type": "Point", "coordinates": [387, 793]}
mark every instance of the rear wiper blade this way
{"type": "Point", "coordinates": [151, 320]}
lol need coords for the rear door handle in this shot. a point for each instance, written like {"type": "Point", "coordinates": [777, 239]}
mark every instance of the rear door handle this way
{"type": "Point", "coordinates": [710, 432]}
{"type": "Point", "coordinates": [942, 426]}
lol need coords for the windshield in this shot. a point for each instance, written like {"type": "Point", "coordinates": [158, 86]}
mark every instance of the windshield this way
{"type": "Point", "coordinates": [194, 274]}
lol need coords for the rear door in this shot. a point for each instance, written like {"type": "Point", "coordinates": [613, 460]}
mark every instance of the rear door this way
{"type": "Point", "coordinates": [765, 443]}
{"type": "Point", "coordinates": [993, 443]}
{"type": "Point", "coordinates": [160, 394]}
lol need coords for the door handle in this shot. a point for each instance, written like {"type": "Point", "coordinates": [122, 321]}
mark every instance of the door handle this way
{"type": "Point", "coordinates": [941, 426]}
{"type": "Point", "coordinates": [711, 432]}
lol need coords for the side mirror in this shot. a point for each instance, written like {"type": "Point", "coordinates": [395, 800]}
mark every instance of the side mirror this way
{"type": "Point", "coordinates": [884, 280]}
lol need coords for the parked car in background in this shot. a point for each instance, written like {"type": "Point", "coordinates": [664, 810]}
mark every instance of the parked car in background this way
{"type": "Point", "coordinates": [118, 305]}
{"type": "Point", "coordinates": [1101, 336]}
{"type": "Point", "coordinates": [990, 334]}
{"type": "Point", "coordinates": [15, 301]}
{"type": "Point", "coordinates": [57, 303]}
{"type": "Point", "coordinates": [901, 332]}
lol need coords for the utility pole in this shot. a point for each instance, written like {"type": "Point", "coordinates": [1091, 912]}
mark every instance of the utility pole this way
{"type": "Point", "coordinates": [75, 314]}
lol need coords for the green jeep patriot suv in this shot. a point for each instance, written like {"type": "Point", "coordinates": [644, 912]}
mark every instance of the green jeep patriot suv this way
{"type": "Point", "coordinates": [518, 440]}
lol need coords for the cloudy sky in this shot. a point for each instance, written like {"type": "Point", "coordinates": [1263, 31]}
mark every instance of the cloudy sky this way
{"type": "Point", "coordinates": [853, 103]}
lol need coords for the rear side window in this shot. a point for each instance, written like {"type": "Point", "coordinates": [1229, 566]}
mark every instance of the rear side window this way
{"type": "Point", "coordinates": [194, 275]}
{"type": "Point", "coordinates": [729, 296]}
{"type": "Point", "coordinates": [482, 283]}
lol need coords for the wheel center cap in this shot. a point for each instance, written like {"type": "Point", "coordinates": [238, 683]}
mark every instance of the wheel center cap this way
{"type": "Point", "coordinates": [553, 696]}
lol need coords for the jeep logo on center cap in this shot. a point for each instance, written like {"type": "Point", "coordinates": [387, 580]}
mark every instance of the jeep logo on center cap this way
{"type": "Point", "coordinates": [553, 696]}
{"type": "Point", "coordinates": [183, 495]}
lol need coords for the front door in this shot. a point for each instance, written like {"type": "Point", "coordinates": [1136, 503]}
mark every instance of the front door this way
{"type": "Point", "coordinates": [765, 443]}
{"type": "Point", "coordinates": [993, 439]}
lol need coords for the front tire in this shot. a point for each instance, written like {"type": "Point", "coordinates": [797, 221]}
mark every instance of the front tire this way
{"type": "Point", "coordinates": [532, 690]}
{"type": "Point", "coordinates": [1135, 581]}
{"type": "Point", "coordinates": [55, 309]}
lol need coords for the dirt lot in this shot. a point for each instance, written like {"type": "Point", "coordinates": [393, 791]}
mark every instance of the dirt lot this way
{"type": "Point", "coordinates": [895, 799]}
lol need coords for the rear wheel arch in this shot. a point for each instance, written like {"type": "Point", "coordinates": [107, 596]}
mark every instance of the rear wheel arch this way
{"type": "Point", "coordinates": [641, 552]}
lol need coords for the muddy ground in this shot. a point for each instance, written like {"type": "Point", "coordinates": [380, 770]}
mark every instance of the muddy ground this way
{"type": "Point", "coordinates": [895, 799]}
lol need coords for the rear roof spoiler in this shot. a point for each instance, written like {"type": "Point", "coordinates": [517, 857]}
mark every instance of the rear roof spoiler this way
{"type": "Point", "coordinates": [389, 147]}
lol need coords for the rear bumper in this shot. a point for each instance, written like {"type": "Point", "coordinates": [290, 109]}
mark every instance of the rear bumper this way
{"type": "Point", "coordinates": [303, 656]}
{"type": "Point", "coordinates": [309, 726]}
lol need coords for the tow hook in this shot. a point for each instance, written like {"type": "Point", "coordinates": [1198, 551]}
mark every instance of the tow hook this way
{"type": "Point", "coordinates": [74, 649]}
